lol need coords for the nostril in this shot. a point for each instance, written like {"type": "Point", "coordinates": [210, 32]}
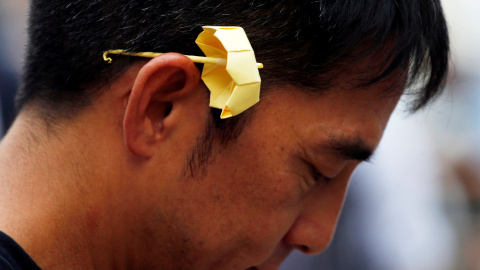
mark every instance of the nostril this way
{"type": "Point", "coordinates": [303, 248]}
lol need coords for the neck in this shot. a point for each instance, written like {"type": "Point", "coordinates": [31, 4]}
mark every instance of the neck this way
{"type": "Point", "coordinates": [47, 201]}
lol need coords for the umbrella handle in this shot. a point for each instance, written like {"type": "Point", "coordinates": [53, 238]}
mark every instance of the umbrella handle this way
{"type": "Point", "coordinates": [196, 59]}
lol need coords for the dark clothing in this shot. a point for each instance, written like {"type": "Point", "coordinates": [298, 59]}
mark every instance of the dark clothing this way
{"type": "Point", "coordinates": [13, 257]}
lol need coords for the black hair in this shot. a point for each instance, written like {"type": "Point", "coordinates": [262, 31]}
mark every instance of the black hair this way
{"type": "Point", "coordinates": [299, 41]}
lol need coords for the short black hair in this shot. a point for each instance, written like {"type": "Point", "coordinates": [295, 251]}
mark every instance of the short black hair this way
{"type": "Point", "coordinates": [297, 40]}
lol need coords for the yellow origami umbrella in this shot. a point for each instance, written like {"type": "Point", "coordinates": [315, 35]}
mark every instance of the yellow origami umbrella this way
{"type": "Point", "coordinates": [230, 71]}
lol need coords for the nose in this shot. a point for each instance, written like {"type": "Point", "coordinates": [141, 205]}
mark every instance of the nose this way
{"type": "Point", "coordinates": [310, 236]}
{"type": "Point", "coordinates": [315, 225]}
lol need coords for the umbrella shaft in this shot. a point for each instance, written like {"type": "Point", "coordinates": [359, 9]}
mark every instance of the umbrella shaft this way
{"type": "Point", "coordinates": [196, 59]}
{"type": "Point", "coordinates": [208, 60]}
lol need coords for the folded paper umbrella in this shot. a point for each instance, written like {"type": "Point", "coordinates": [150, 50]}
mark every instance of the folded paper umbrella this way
{"type": "Point", "coordinates": [230, 71]}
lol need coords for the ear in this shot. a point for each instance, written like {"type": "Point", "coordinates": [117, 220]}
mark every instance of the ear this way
{"type": "Point", "coordinates": [159, 93]}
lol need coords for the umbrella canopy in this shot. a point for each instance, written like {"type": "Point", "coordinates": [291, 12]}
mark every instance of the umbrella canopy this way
{"type": "Point", "coordinates": [236, 86]}
{"type": "Point", "coordinates": [230, 71]}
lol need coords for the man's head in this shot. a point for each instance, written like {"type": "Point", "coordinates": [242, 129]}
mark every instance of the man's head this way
{"type": "Point", "coordinates": [193, 191]}
{"type": "Point", "coordinates": [301, 42]}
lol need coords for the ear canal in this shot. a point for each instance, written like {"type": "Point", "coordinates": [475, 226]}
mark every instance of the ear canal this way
{"type": "Point", "coordinates": [168, 110]}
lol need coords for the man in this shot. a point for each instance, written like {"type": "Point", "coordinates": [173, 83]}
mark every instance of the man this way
{"type": "Point", "coordinates": [125, 166]}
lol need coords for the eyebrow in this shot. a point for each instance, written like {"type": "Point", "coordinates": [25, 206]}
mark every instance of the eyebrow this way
{"type": "Point", "coordinates": [350, 148]}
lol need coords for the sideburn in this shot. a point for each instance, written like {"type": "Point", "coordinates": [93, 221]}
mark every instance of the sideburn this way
{"type": "Point", "coordinates": [218, 134]}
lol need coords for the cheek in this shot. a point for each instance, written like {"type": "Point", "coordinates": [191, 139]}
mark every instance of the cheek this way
{"type": "Point", "coordinates": [260, 185]}
{"type": "Point", "coordinates": [243, 206]}
{"type": "Point", "coordinates": [251, 208]}
{"type": "Point", "coordinates": [265, 209]}
{"type": "Point", "coordinates": [231, 220]}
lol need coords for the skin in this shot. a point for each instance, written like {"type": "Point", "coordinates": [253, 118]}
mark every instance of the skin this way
{"type": "Point", "coordinates": [108, 189]}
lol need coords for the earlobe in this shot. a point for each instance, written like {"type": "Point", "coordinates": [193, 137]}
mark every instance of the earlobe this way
{"type": "Point", "coordinates": [160, 86]}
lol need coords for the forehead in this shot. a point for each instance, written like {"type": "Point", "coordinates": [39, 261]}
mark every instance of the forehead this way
{"type": "Point", "coordinates": [342, 112]}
